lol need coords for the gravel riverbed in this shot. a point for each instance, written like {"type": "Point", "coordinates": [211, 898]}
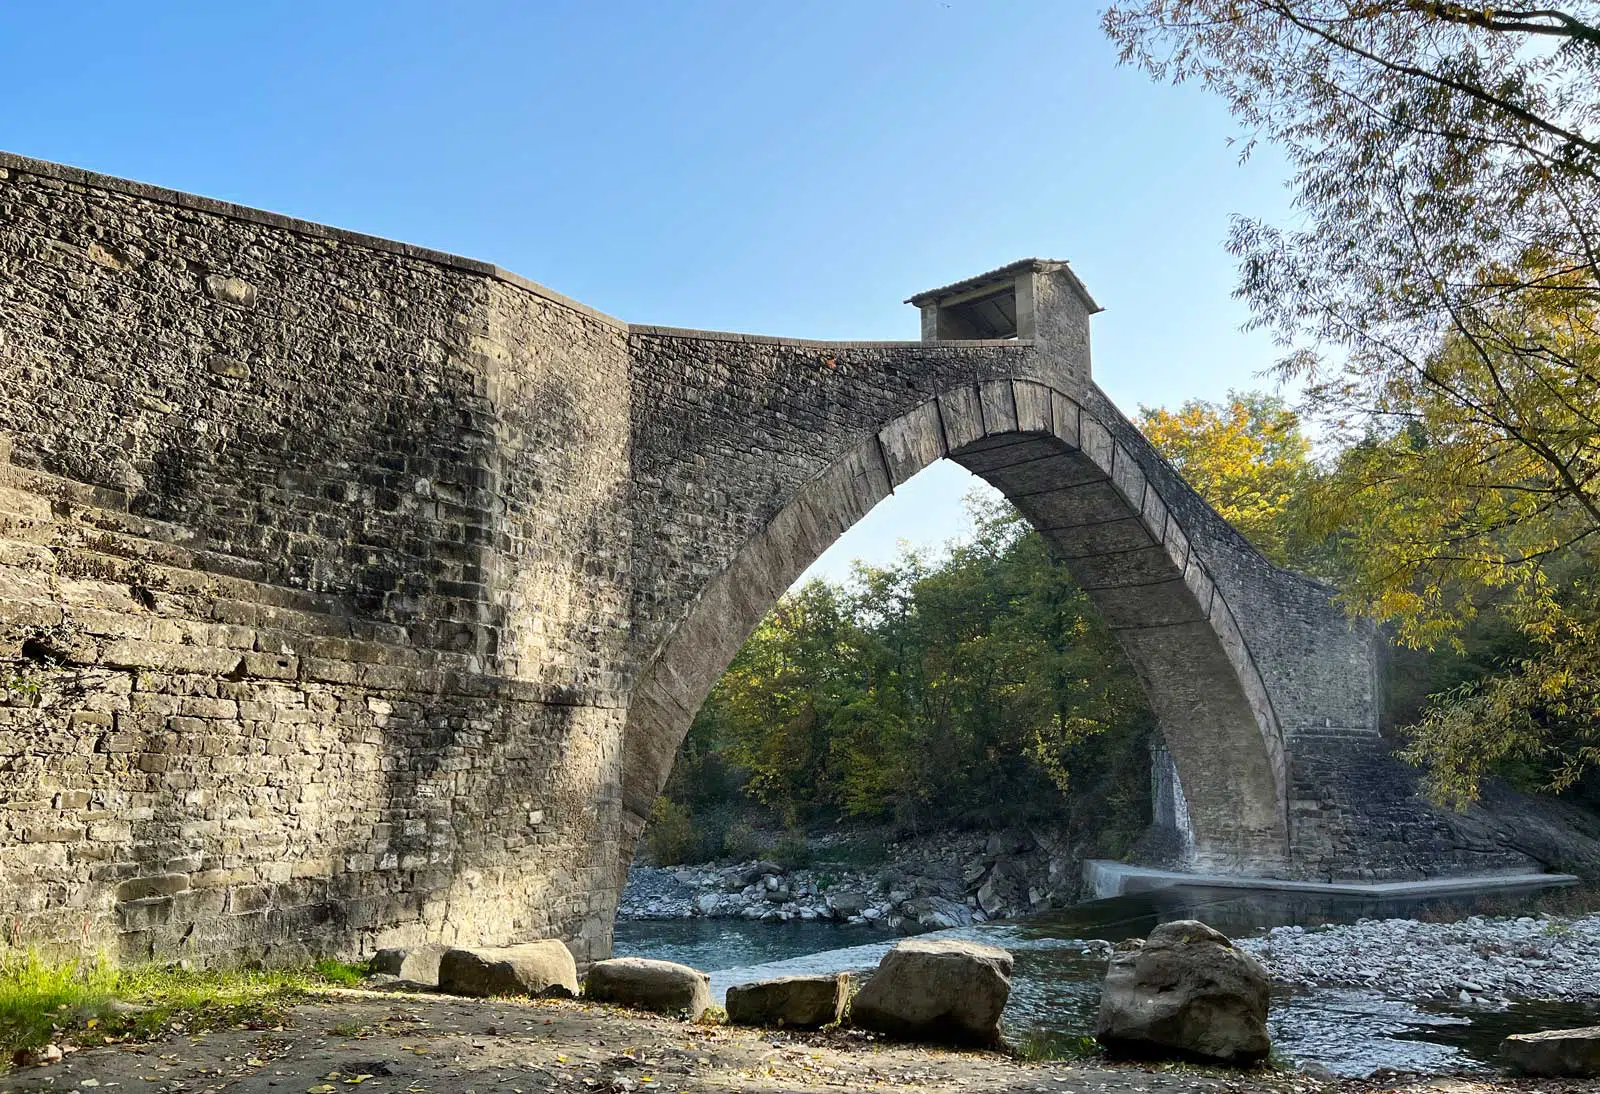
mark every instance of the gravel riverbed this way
{"type": "Point", "coordinates": [1475, 960]}
{"type": "Point", "coordinates": [767, 892]}
{"type": "Point", "coordinates": [1484, 961]}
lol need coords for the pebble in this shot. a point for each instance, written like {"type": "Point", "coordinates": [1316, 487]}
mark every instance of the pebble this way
{"type": "Point", "coordinates": [1480, 960]}
{"type": "Point", "coordinates": [952, 881]}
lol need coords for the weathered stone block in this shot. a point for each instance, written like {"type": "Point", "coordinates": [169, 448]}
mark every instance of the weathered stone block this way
{"type": "Point", "coordinates": [792, 1002]}
{"type": "Point", "coordinates": [663, 986]}
{"type": "Point", "coordinates": [231, 290]}
{"type": "Point", "coordinates": [1185, 992]}
{"type": "Point", "coordinates": [418, 964]}
{"type": "Point", "coordinates": [1554, 1053]}
{"type": "Point", "coordinates": [55, 833]}
{"type": "Point", "coordinates": [937, 990]}
{"type": "Point", "coordinates": [533, 968]}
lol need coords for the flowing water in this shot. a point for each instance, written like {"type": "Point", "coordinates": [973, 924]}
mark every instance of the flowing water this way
{"type": "Point", "coordinates": [1056, 982]}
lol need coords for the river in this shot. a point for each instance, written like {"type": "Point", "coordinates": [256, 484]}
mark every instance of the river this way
{"type": "Point", "coordinates": [1056, 983]}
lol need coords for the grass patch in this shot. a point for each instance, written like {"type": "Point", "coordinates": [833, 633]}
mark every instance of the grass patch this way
{"type": "Point", "coordinates": [38, 997]}
{"type": "Point", "coordinates": [339, 972]}
{"type": "Point", "coordinates": [1037, 1046]}
{"type": "Point", "coordinates": [43, 1001]}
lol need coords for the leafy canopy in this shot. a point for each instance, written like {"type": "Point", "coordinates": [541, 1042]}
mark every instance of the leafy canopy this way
{"type": "Point", "coordinates": [1247, 457]}
{"type": "Point", "coordinates": [1438, 301]}
{"type": "Point", "coordinates": [946, 692]}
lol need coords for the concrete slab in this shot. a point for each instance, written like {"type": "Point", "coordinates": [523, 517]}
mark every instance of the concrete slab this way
{"type": "Point", "coordinates": [1104, 878]}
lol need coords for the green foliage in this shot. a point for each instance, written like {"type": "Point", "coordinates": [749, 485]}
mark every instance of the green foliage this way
{"type": "Point", "coordinates": [1454, 531]}
{"type": "Point", "coordinates": [1440, 295]}
{"type": "Point", "coordinates": [965, 692]}
{"type": "Point", "coordinates": [1249, 458]}
{"type": "Point", "coordinates": [670, 837]}
{"type": "Point", "coordinates": [20, 687]}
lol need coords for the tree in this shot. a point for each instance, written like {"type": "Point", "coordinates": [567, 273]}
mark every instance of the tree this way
{"type": "Point", "coordinates": [972, 690]}
{"type": "Point", "coordinates": [777, 697]}
{"type": "Point", "coordinates": [1439, 303]}
{"type": "Point", "coordinates": [1248, 458]}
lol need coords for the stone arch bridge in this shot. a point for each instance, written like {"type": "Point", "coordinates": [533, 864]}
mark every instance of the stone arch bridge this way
{"type": "Point", "coordinates": [353, 594]}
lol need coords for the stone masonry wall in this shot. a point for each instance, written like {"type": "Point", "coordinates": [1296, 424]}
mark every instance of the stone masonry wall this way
{"type": "Point", "coordinates": [313, 569]}
{"type": "Point", "coordinates": [726, 430]}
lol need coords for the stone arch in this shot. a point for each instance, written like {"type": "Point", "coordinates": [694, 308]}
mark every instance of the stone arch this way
{"type": "Point", "coordinates": [1087, 492]}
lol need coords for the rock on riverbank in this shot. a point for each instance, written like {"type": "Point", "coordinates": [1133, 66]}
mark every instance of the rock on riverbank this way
{"type": "Point", "coordinates": [766, 891]}
{"type": "Point", "coordinates": [1478, 959]}
{"type": "Point", "coordinates": [949, 881]}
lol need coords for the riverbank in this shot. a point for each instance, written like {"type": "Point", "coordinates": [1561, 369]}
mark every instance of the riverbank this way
{"type": "Point", "coordinates": [1477, 960]}
{"type": "Point", "coordinates": [386, 1043]}
{"type": "Point", "coordinates": [1332, 1012]}
{"type": "Point", "coordinates": [935, 882]}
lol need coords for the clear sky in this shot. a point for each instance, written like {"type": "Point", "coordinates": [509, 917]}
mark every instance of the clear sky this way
{"type": "Point", "coordinates": [792, 168]}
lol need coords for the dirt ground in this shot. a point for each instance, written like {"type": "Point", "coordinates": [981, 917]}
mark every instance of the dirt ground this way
{"type": "Point", "coordinates": [390, 1043]}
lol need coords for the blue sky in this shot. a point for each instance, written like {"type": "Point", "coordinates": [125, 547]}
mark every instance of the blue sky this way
{"type": "Point", "coordinates": [794, 169]}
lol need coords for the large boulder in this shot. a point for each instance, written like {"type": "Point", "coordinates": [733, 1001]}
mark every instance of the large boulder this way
{"type": "Point", "coordinates": [937, 990]}
{"type": "Point", "coordinates": [662, 986]}
{"type": "Point", "coordinates": [846, 904]}
{"type": "Point", "coordinates": [533, 968]}
{"type": "Point", "coordinates": [794, 1002]}
{"type": "Point", "coordinates": [1554, 1053]}
{"type": "Point", "coordinates": [760, 871]}
{"type": "Point", "coordinates": [934, 913]}
{"type": "Point", "coordinates": [1188, 993]}
{"type": "Point", "coordinates": [418, 964]}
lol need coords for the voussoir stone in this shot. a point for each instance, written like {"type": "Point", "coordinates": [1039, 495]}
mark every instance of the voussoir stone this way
{"type": "Point", "coordinates": [937, 990]}
{"type": "Point", "coordinates": [545, 967]}
{"type": "Point", "coordinates": [794, 1002]}
{"type": "Point", "coordinates": [1554, 1053]}
{"type": "Point", "coordinates": [663, 986]}
{"type": "Point", "coordinates": [1186, 992]}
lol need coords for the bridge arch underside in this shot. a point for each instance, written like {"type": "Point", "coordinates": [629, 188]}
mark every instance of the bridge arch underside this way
{"type": "Point", "coordinates": [1088, 497]}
